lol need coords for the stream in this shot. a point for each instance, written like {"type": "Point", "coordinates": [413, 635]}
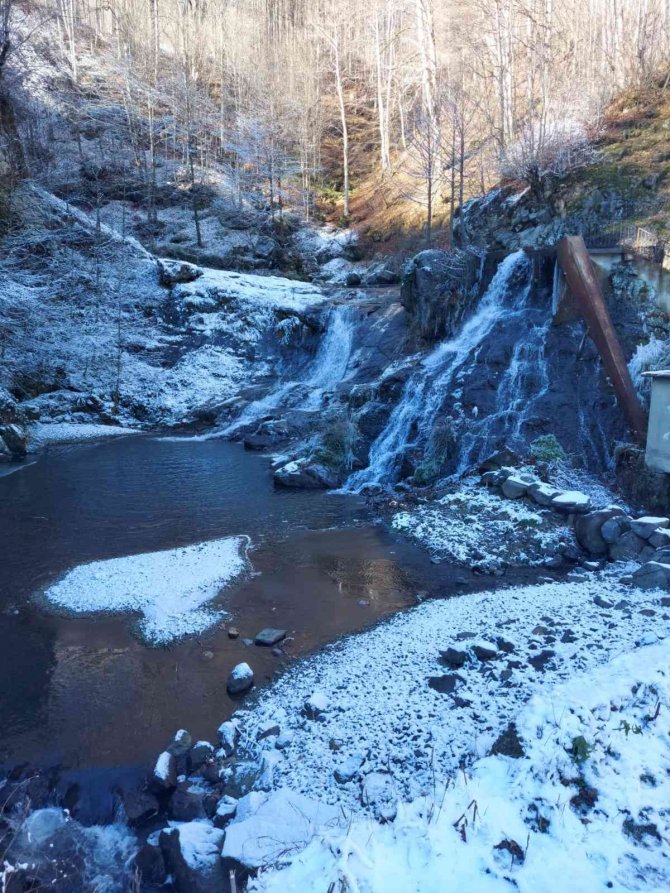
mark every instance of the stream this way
{"type": "Point", "coordinates": [87, 694]}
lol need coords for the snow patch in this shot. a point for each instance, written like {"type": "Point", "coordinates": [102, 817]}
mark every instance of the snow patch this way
{"type": "Point", "coordinates": [168, 588]}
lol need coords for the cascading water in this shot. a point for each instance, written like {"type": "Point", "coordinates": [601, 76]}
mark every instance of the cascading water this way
{"type": "Point", "coordinates": [412, 419]}
{"type": "Point", "coordinates": [325, 372]}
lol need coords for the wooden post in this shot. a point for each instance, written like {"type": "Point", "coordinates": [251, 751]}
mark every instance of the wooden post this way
{"type": "Point", "coordinates": [583, 282]}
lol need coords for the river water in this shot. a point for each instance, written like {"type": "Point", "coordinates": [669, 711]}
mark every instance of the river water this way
{"type": "Point", "coordinates": [85, 692]}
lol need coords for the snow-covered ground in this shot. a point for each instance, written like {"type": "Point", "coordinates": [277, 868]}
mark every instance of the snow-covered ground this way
{"type": "Point", "coordinates": [584, 809]}
{"type": "Point", "coordinates": [476, 526]}
{"type": "Point", "coordinates": [170, 589]}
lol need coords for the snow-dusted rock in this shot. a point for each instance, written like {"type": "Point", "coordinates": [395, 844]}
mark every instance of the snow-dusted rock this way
{"type": "Point", "coordinates": [303, 474]}
{"type": "Point", "coordinates": [349, 769]}
{"type": "Point", "coordinates": [270, 636]}
{"type": "Point", "coordinates": [542, 493]}
{"type": "Point", "coordinates": [240, 680]}
{"type": "Point", "coordinates": [588, 530]}
{"type": "Point", "coordinates": [379, 794]}
{"type": "Point", "coordinates": [660, 538]}
{"type": "Point", "coordinates": [200, 753]}
{"type": "Point", "coordinates": [627, 547]}
{"type": "Point", "coordinates": [229, 734]}
{"type": "Point", "coordinates": [270, 827]}
{"type": "Point", "coordinates": [316, 705]}
{"type": "Point", "coordinates": [180, 744]}
{"type": "Point", "coordinates": [652, 575]}
{"type": "Point", "coordinates": [647, 525]}
{"type": "Point", "coordinates": [192, 854]}
{"type": "Point", "coordinates": [614, 528]}
{"type": "Point", "coordinates": [176, 272]}
{"type": "Point", "coordinates": [514, 487]}
{"type": "Point", "coordinates": [571, 501]}
{"type": "Point", "coordinates": [164, 776]}
{"type": "Point", "coordinates": [226, 809]}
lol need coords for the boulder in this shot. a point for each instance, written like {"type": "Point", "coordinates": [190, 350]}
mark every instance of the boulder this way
{"type": "Point", "coordinates": [648, 525]}
{"type": "Point", "coordinates": [306, 475]}
{"type": "Point", "coordinates": [652, 575]}
{"type": "Point", "coordinates": [571, 502]}
{"type": "Point", "coordinates": [437, 289]}
{"type": "Point", "coordinates": [514, 487]}
{"type": "Point", "coordinates": [189, 803]}
{"type": "Point", "coordinates": [176, 272]}
{"type": "Point", "coordinates": [192, 854]}
{"type": "Point", "coordinates": [268, 826]}
{"type": "Point", "coordinates": [349, 769]}
{"type": "Point", "coordinates": [542, 493]}
{"type": "Point", "coordinates": [240, 680]}
{"type": "Point", "coordinates": [180, 744]}
{"type": "Point", "coordinates": [614, 528]}
{"type": "Point", "coordinates": [588, 530]}
{"type": "Point", "coordinates": [139, 806]}
{"type": "Point", "coordinates": [660, 539]}
{"type": "Point", "coordinates": [200, 753]}
{"type": "Point", "coordinates": [13, 443]}
{"type": "Point", "coordinates": [164, 776]}
{"type": "Point", "coordinates": [627, 547]}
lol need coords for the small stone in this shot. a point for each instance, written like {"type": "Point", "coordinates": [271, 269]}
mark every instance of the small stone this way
{"type": "Point", "coordinates": [284, 740]}
{"type": "Point", "coordinates": [508, 744]}
{"type": "Point", "coordinates": [240, 680]}
{"type": "Point", "coordinates": [454, 658]}
{"type": "Point", "coordinates": [349, 769]}
{"type": "Point", "coordinates": [316, 705]}
{"type": "Point", "coordinates": [228, 735]}
{"type": "Point", "coordinates": [445, 684]}
{"type": "Point", "coordinates": [269, 636]}
{"type": "Point", "coordinates": [268, 730]}
{"type": "Point", "coordinates": [602, 602]}
{"type": "Point", "coordinates": [233, 632]}
{"type": "Point", "coordinates": [379, 794]}
{"type": "Point", "coordinates": [248, 642]}
{"type": "Point", "coordinates": [647, 525]}
{"type": "Point", "coordinates": [207, 655]}
{"type": "Point", "coordinates": [539, 661]}
{"type": "Point", "coordinates": [568, 637]}
{"type": "Point", "coordinates": [485, 651]}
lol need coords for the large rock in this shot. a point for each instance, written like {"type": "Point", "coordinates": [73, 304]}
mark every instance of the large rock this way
{"type": "Point", "coordinates": [176, 272]}
{"type": "Point", "coordinates": [192, 854]}
{"type": "Point", "coordinates": [164, 776]}
{"type": "Point", "coordinates": [571, 502]}
{"type": "Point", "coordinates": [268, 826]}
{"type": "Point", "coordinates": [652, 575]}
{"type": "Point", "coordinates": [229, 735]}
{"type": "Point", "coordinates": [303, 474]}
{"type": "Point", "coordinates": [647, 525]}
{"type": "Point", "coordinates": [588, 530]}
{"type": "Point", "coordinates": [191, 802]}
{"type": "Point", "coordinates": [13, 443]}
{"type": "Point", "coordinates": [542, 493]}
{"type": "Point", "coordinates": [437, 289]}
{"type": "Point", "coordinates": [628, 547]}
{"type": "Point", "coordinates": [514, 487]}
{"type": "Point", "coordinates": [613, 529]}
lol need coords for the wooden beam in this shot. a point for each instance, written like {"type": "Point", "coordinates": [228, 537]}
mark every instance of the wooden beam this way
{"type": "Point", "coordinates": [584, 285]}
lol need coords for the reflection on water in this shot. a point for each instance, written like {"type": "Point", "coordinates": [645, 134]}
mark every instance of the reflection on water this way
{"type": "Point", "coordinates": [85, 690]}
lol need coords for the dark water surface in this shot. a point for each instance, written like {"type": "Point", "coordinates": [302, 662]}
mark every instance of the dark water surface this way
{"type": "Point", "coordinates": [85, 692]}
